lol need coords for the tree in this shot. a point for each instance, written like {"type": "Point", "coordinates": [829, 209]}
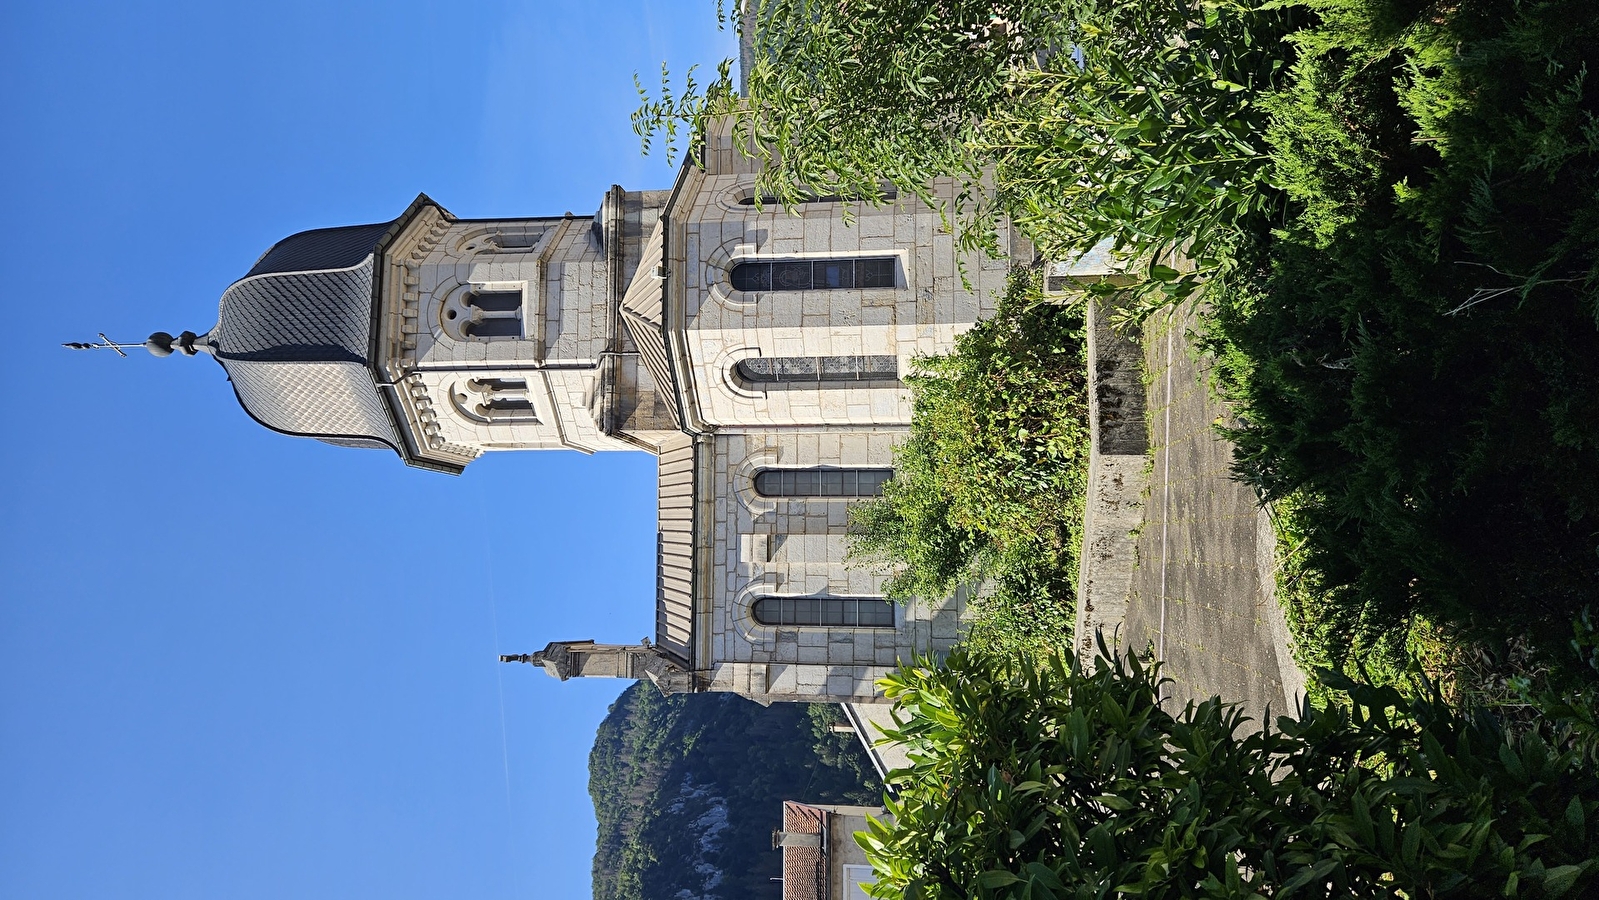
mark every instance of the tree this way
{"type": "Point", "coordinates": [1083, 121]}
{"type": "Point", "coordinates": [1033, 777]}
{"type": "Point", "coordinates": [990, 483]}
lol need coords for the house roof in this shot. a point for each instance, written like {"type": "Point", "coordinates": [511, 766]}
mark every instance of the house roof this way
{"type": "Point", "coordinates": [804, 868]}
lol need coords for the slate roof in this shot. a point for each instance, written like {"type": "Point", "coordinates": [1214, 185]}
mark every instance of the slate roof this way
{"type": "Point", "coordinates": [322, 248]}
{"type": "Point", "coordinates": [674, 557]}
{"type": "Point", "coordinates": [336, 401]}
{"type": "Point", "coordinates": [303, 316]}
{"type": "Point", "coordinates": [641, 314]}
{"type": "Point", "coordinates": [295, 336]}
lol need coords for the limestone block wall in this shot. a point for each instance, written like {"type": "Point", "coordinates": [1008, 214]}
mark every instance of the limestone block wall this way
{"type": "Point", "coordinates": [790, 682]}
{"type": "Point", "coordinates": [565, 276]}
{"type": "Point", "coordinates": [927, 308]}
{"type": "Point", "coordinates": [467, 256]}
{"type": "Point", "coordinates": [641, 407]}
{"type": "Point", "coordinates": [577, 295]}
{"type": "Point", "coordinates": [797, 547]}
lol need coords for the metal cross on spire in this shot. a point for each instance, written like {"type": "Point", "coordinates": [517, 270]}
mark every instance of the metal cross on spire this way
{"type": "Point", "coordinates": [159, 344]}
{"type": "Point", "coordinates": [104, 344]}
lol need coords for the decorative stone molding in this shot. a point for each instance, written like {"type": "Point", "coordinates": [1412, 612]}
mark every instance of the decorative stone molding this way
{"type": "Point", "coordinates": [734, 199]}
{"type": "Point", "coordinates": [425, 420]}
{"type": "Point", "coordinates": [401, 295]}
{"type": "Point", "coordinates": [721, 371]}
{"type": "Point", "coordinates": [744, 480]}
{"type": "Point", "coordinates": [718, 265]}
{"type": "Point", "coordinates": [741, 616]}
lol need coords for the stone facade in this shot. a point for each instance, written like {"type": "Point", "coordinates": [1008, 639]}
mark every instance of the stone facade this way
{"type": "Point", "coordinates": [634, 330]}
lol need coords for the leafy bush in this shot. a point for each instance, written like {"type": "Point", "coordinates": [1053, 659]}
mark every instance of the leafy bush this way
{"type": "Point", "coordinates": [1033, 778]}
{"type": "Point", "coordinates": [1149, 135]}
{"type": "Point", "coordinates": [1417, 345]}
{"type": "Point", "coordinates": [990, 483]}
{"type": "Point", "coordinates": [1083, 121]}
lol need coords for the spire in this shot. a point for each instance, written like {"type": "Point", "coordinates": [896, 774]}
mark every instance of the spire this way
{"type": "Point", "coordinates": [159, 344]}
{"type": "Point", "coordinates": [586, 659]}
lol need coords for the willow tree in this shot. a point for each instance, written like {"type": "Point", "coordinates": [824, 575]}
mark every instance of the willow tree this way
{"type": "Point", "coordinates": [1083, 121]}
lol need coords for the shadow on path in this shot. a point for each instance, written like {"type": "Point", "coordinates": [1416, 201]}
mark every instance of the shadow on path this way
{"type": "Point", "coordinates": [1202, 595]}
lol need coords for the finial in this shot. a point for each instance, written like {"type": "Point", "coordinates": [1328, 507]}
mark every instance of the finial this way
{"type": "Point", "coordinates": [104, 344]}
{"type": "Point", "coordinates": [159, 344]}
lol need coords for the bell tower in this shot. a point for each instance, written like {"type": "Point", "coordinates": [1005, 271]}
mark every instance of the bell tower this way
{"type": "Point", "coordinates": [444, 338]}
{"type": "Point", "coordinates": [503, 334]}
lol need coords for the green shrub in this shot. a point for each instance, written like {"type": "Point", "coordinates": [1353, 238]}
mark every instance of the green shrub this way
{"type": "Point", "coordinates": [1032, 778]}
{"type": "Point", "coordinates": [1393, 206]}
{"type": "Point", "coordinates": [1415, 348]}
{"type": "Point", "coordinates": [991, 481]}
{"type": "Point", "coordinates": [1082, 121]}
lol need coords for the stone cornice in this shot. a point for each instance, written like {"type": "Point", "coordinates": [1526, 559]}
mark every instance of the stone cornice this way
{"type": "Point", "coordinates": [400, 327]}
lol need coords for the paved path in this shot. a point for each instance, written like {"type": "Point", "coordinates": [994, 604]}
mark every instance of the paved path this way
{"type": "Point", "coordinates": [1202, 593]}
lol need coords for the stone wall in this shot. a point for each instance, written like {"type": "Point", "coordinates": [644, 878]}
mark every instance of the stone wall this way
{"type": "Point", "coordinates": [798, 546]}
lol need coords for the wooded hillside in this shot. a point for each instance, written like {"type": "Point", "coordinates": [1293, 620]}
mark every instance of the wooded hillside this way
{"type": "Point", "coordinates": [687, 790]}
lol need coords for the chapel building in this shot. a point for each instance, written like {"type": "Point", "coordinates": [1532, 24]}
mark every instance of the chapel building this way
{"type": "Point", "coordinates": [759, 354]}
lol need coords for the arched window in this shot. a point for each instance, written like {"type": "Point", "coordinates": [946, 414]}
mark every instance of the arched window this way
{"type": "Point", "coordinates": [759, 372]}
{"type": "Point", "coordinates": [813, 274]}
{"type": "Point", "coordinates": [769, 200]}
{"type": "Point", "coordinates": [821, 481]}
{"type": "Point", "coordinates": [495, 400]}
{"type": "Point", "coordinates": [843, 612]}
{"type": "Point", "coordinates": [494, 314]}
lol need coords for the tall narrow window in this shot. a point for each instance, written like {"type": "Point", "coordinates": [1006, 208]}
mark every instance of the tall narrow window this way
{"type": "Point", "coordinates": [843, 612]}
{"type": "Point", "coordinates": [813, 274]}
{"type": "Point", "coordinates": [822, 481]}
{"type": "Point", "coordinates": [494, 327]}
{"type": "Point", "coordinates": [495, 301]}
{"type": "Point", "coordinates": [512, 242]}
{"type": "Point", "coordinates": [769, 200]}
{"type": "Point", "coordinates": [511, 405]}
{"type": "Point", "coordinates": [759, 372]}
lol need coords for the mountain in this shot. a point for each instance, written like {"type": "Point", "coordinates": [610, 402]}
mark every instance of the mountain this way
{"type": "Point", "coordinates": [688, 789]}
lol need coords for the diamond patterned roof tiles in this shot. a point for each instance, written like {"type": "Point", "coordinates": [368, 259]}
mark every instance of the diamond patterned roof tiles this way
{"type": "Point", "coordinates": [298, 316]}
{"type": "Point", "coordinates": [319, 399]}
{"type": "Point", "coordinates": [295, 344]}
{"type": "Point", "coordinates": [323, 248]}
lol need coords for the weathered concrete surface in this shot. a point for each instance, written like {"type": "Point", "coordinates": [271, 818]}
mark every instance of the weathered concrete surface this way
{"type": "Point", "coordinates": [1117, 477]}
{"type": "Point", "coordinates": [869, 721]}
{"type": "Point", "coordinates": [1202, 597]}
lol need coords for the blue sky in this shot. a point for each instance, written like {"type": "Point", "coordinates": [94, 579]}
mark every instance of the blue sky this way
{"type": "Point", "coordinates": [236, 664]}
